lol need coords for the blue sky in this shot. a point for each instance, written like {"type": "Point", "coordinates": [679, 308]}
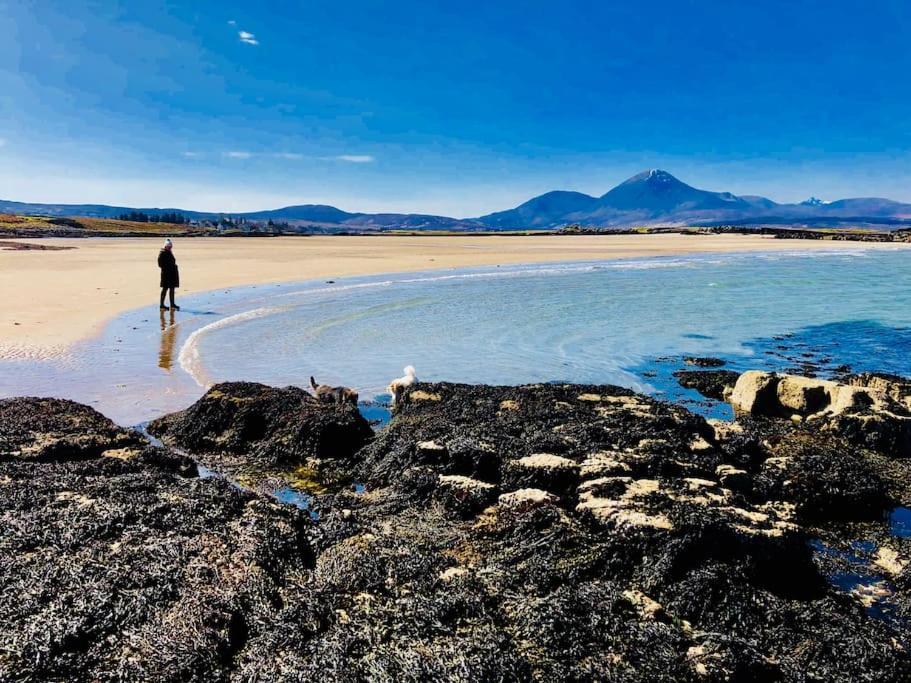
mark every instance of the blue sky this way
{"type": "Point", "coordinates": [445, 107]}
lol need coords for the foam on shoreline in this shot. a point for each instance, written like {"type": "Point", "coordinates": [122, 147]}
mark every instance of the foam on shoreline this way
{"type": "Point", "coordinates": [189, 358]}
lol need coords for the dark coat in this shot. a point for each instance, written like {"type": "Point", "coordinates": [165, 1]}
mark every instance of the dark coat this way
{"type": "Point", "coordinates": [170, 276]}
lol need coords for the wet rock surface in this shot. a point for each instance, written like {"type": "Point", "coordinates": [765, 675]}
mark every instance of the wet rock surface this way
{"type": "Point", "coordinates": [120, 565]}
{"type": "Point", "coordinates": [523, 434]}
{"type": "Point", "coordinates": [43, 429]}
{"type": "Point", "coordinates": [703, 362]}
{"type": "Point", "coordinates": [546, 532]}
{"type": "Point", "coordinates": [714, 384]}
{"type": "Point", "coordinates": [242, 426]}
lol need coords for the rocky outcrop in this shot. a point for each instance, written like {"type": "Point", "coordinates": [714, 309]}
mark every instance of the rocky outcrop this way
{"type": "Point", "coordinates": [538, 436]}
{"type": "Point", "coordinates": [247, 425]}
{"type": "Point", "coordinates": [546, 532]}
{"type": "Point", "coordinates": [714, 384]}
{"type": "Point", "coordinates": [464, 495]}
{"type": "Point", "coordinates": [48, 429]}
{"type": "Point", "coordinates": [643, 509]}
{"type": "Point", "coordinates": [873, 413]}
{"type": "Point", "coordinates": [117, 564]}
{"type": "Point", "coordinates": [822, 474]}
{"type": "Point", "coordinates": [896, 388]}
{"type": "Point", "coordinates": [543, 471]}
{"type": "Point", "coordinates": [703, 362]}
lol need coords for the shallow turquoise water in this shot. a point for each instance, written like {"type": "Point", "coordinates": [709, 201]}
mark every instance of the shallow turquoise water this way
{"type": "Point", "coordinates": [592, 323]}
{"type": "Point", "coordinates": [623, 322]}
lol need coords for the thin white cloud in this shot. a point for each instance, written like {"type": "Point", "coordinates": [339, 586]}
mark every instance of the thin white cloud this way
{"type": "Point", "coordinates": [294, 156]}
{"type": "Point", "coordinates": [247, 37]}
{"type": "Point", "coordinates": [355, 158]}
{"type": "Point", "coordinates": [191, 155]}
{"type": "Point", "coordinates": [231, 22]}
{"type": "Point", "coordinates": [238, 155]}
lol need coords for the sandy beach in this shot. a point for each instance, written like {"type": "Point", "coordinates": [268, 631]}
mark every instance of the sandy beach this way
{"type": "Point", "coordinates": [57, 297]}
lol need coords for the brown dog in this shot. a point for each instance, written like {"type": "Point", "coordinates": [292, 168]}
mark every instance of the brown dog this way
{"type": "Point", "coordinates": [329, 394]}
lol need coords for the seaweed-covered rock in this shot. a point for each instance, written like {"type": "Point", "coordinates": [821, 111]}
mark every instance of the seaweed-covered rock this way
{"type": "Point", "coordinates": [254, 425]}
{"type": "Point", "coordinates": [465, 495]}
{"type": "Point", "coordinates": [704, 361]}
{"type": "Point", "coordinates": [679, 551]}
{"type": "Point", "coordinates": [733, 478]}
{"type": "Point", "coordinates": [546, 532]}
{"type": "Point", "coordinates": [546, 471]}
{"type": "Point", "coordinates": [123, 567]}
{"type": "Point", "coordinates": [46, 429]}
{"type": "Point", "coordinates": [526, 499]}
{"type": "Point", "coordinates": [823, 474]}
{"type": "Point", "coordinates": [716, 384]}
{"type": "Point", "coordinates": [485, 432]}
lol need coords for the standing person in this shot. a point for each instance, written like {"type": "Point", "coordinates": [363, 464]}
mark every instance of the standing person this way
{"type": "Point", "coordinates": [170, 276]}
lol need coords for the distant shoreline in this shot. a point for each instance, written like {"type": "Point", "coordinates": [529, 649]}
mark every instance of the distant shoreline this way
{"type": "Point", "coordinates": [68, 295]}
{"type": "Point", "coordinates": [26, 227]}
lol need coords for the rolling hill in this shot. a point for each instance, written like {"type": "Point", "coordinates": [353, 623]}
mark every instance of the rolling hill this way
{"type": "Point", "coordinates": [650, 198]}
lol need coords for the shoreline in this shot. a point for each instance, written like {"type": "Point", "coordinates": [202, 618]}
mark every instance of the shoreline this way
{"type": "Point", "coordinates": [135, 368]}
{"type": "Point", "coordinates": [71, 294]}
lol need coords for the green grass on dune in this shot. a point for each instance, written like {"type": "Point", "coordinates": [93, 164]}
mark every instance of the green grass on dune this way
{"type": "Point", "coordinates": [42, 225]}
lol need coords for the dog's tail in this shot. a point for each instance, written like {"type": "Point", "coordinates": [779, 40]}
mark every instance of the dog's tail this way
{"type": "Point", "coordinates": [409, 370]}
{"type": "Point", "coordinates": [313, 382]}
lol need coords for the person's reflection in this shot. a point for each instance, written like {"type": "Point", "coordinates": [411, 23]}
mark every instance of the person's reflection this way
{"type": "Point", "coordinates": [168, 339]}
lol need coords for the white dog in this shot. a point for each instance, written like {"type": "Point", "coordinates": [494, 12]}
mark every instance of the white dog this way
{"type": "Point", "coordinates": [397, 386]}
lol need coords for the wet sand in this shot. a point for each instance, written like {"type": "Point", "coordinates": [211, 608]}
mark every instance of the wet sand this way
{"type": "Point", "coordinates": [55, 297]}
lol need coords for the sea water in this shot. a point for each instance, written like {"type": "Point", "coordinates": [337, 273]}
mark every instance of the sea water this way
{"type": "Point", "coordinates": [627, 322]}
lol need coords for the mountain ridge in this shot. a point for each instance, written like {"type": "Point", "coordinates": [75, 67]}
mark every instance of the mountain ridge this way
{"type": "Point", "coordinates": [655, 197]}
{"type": "Point", "coordinates": [650, 198]}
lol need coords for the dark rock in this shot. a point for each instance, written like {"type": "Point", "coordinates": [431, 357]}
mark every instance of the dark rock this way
{"type": "Point", "coordinates": [704, 362]}
{"type": "Point", "coordinates": [254, 425]}
{"type": "Point", "coordinates": [430, 451]}
{"type": "Point", "coordinates": [48, 429]}
{"type": "Point", "coordinates": [734, 478]}
{"type": "Point", "coordinates": [487, 429]}
{"type": "Point", "coordinates": [475, 457]}
{"type": "Point", "coordinates": [464, 495]}
{"type": "Point", "coordinates": [715, 384]}
{"type": "Point", "coordinates": [545, 471]}
{"type": "Point", "coordinates": [823, 475]}
{"type": "Point", "coordinates": [672, 552]}
{"type": "Point", "coordinates": [115, 568]}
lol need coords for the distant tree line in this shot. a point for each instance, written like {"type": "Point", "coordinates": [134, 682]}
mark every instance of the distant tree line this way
{"type": "Point", "coordinates": [245, 225]}
{"type": "Point", "coordinates": [165, 217]}
{"type": "Point", "coordinates": [225, 223]}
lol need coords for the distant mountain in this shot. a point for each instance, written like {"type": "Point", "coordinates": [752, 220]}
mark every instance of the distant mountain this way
{"type": "Point", "coordinates": [86, 210]}
{"type": "Point", "coordinates": [868, 206]}
{"type": "Point", "coordinates": [653, 197]}
{"type": "Point", "coordinates": [543, 211]}
{"type": "Point", "coordinates": [648, 197]}
{"type": "Point", "coordinates": [758, 202]}
{"type": "Point", "coordinates": [318, 215]}
{"type": "Point", "coordinates": [656, 197]}
{"type": "Point", "coordinates": [660, 192]}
